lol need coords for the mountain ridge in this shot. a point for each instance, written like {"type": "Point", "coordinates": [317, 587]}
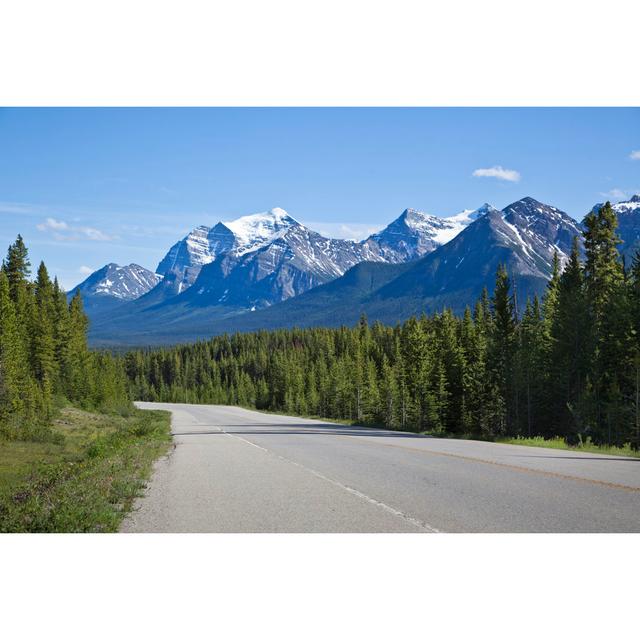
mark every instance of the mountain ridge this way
{"type": "Point", "coordinates": [524, 236]}
{"type": "Point", "coordinates": [265, 258]}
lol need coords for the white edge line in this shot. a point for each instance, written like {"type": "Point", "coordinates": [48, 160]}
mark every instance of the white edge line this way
{"type": "Point", "coordinates": [351, 490]}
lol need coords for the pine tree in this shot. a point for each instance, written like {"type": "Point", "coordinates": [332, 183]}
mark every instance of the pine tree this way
{"type": "Point", "coordinates": [568, 361]}
{"type": "Point", "coordinates": [417, 400]}
{"type": "Point", "coordinates": [634, 295]}
{"type": "Point", "coordinates": [604, 286]}
{"type": "Point", "coordinates": [550, 304]}
{"type": "Point", "coordinates": [501, 353]}
{"type": "Point", "coordinates": [11, 361]}
{"type": "Point", "coordinates": [43, 351]}
{"type": "Point", "coordinates": [17, 267]}
{"type": "Point", "coordinates": [79, 383]}
{"type": "Point", "coordinates": [61, 336]}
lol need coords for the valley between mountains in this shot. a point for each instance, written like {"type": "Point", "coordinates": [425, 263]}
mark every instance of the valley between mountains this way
{"type": "Point", "coordinates": [268, 270]}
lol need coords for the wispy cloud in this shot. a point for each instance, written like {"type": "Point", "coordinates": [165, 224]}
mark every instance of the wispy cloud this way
{"type": "Point", "coordinates": [616, 194]}
{"type": "Point", "coordinates": [18, 208]}
{"type": "Point", "coordinates": [635, 155]}
{"type": "Point", "coordinates": [51, 224]}
{"type": "Point", "coordinates": [85, 271]}
{"type": "Point", "coordinates": [65, 232]}
{"type": "Point", "coordinates": [510, 175]}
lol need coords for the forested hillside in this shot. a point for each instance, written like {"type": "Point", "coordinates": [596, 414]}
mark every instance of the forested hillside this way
{"type": "Point", "coordinates": [44, 358]}
{"type": "Point", "coordinates": [568, 366]}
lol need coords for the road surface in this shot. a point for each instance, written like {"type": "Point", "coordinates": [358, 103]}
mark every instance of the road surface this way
{"type": "Point", "coordinates": [235, 470]}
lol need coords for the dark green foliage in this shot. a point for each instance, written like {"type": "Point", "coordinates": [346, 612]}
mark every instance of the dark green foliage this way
{"type": "Point", "coordinates": [569, 366]}
{"type": "Point", "coordinates": [44, 359]}
{"type": "Point", "coordinates": [634, 304]}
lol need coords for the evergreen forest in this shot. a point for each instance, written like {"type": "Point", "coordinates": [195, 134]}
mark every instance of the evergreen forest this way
{"type": "Point", "coordinates": [45, 361]}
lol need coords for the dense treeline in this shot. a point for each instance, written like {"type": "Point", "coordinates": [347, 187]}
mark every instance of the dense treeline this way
{"type": "Point", "coordinates": [568, 365]}
{"type": "Point", "coordinates": [44, 358]}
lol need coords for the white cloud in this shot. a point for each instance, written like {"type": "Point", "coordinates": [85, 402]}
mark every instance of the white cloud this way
{"type": "Point", "coordinates": [94, 234]}
{"type": "Point", "coordinates": [635, 155]}
{"type": "Point", "coordinates": [51, 224]}
{"type": "Point", "coordinates": [344, 230]}
{"type": "Point", "coordinates": [85, 271]}
{"type": "Point", "coordinates": [510, 175]}
{"type": "Point", "coordinates": [617, 194]}
{"type": "Point", "coordinates": [63, 231]}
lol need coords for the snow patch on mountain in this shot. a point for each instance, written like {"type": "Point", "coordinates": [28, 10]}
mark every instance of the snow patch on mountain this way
{"type": "Point", "coordinates": [416, 233]}
{"type": "Point", "coordinates": [127, 282]}
{"type": "Point", "coordinates": [258, 229]}
{"type": "Point", "coordinates": [624, 207]}
{"type": "Point", "coordinates": [453, 225]}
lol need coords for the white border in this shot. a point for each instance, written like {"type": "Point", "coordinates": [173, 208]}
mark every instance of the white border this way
{"type": "Point", "coordinates": [139, 52]}
{"type": "Point", "coordinates": [334, 52]}
{"type": "Point", "coordinates": [318, 586]}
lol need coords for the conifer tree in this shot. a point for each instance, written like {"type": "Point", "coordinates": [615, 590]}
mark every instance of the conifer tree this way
{"type": "Point", "coordinates": [604, 284]}
{"type": "Point", "coordinates": [634, 292]}
{"type": "Point", "coordinates": [501, 352]}
{"type": "Point", "coordinates": [12, 359]}
{"type": "Point", "coordinates": [79, 385]}
{"type": "Point", "coordinates": [569, 357]}
{"type": "Point", "coordinates": [43, 355]}
{"type": "Point", "coordinates": [61, 336]}
{"type": "Point", "coordinates": [17, 267]}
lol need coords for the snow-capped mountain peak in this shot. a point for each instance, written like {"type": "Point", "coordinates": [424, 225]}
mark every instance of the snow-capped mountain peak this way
{"type": "Point", "coordinates": [127, 282]}
{"type": "Point", "coordinates": [204, 244]}
{"type": "Point", "coordinates": [540, 230]}
{"type": "Point", "coordinates": [416, 219]}
{"type": "Point", "coordinates": [416, 233]}
{"type": "Point", "coordinates": [482, 211]}
{"type": "Point", "coordinates": [258, 229]}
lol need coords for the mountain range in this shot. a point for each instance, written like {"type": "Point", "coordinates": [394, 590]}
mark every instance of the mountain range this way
{"type": "Point", "coordinates": [268, 270]}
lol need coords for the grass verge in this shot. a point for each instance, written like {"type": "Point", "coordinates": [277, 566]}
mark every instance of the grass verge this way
{"type": "Point", "coordinates": [85, 480]}
{"type": "Point", "coordinates": [553, 443]}
{"type": "Point", "coordinates": [587, 447]}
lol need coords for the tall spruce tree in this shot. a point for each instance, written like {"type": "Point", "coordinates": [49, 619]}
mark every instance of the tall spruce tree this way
{"type": "Point", "coordinates": [42, 323]}
{"type": "Point", "coordinates": [568, 364]}
{"type": "Point", "coordinates": [501, 354]}
{"type": "Point", "coordinates": [17, 267]}
{"type": "Point", "coordinates": [634, 291]}
{"type": "Point", "coordinates": [12, 359]}
{"type": "Point", "coordinates": [604, 288]}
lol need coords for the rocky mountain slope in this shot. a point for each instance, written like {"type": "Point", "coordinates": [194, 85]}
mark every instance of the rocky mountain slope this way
{"type": "Point", "coordinates": [114, 284]}
{"type": "Point", "coordinates": [524, 236]}
{"type": "Point", "coordinates": [414, 233]}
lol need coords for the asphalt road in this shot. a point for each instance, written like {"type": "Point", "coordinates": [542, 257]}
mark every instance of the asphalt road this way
{"type": "Point", "coordinates": [235, 470]}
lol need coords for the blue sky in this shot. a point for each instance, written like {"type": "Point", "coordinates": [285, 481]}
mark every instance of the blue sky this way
{"type": "Point", "coordinates": [89, 186]}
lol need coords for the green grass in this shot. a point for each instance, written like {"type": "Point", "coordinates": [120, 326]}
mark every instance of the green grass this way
{"type": "Point", "coordinates": [85, 480]}
{"type": "Point", "coordinates": [587, 446]}
{"type": "Point", "coordinates": [552, 443]}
